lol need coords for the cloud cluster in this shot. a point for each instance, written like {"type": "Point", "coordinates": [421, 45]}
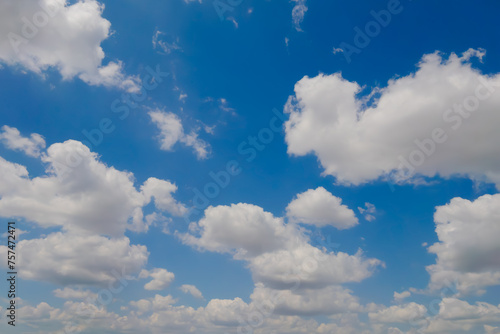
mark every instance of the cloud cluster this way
{"type": "Point", "coordinates": [92, 204]}
{"type": "Point", "coordinates": [468, 252]}
{"type": "Point", "coordinates": [281, 258]}
{"type": "Point", "coordinates": [419, 124]}
{"type": "Point", "coordinates": [81, 194]}
{"type": "Point", "coordinates": [54, 34]}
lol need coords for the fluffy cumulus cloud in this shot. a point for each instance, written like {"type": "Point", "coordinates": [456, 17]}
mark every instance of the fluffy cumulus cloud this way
{"type": "Point", "coordinates": [329, 300]}
{"type": "Point", "coordinates": [161, 278]}
{"type": "Point", "coordinates": [458, 316]}
{"type": "Point", "coordinates": [192, 290]}
{"type": "Point", "coordinates": [76, 181]}
{"type": "Point", "coordinates": [319, 207]}
{"type": "Point", "coordinates": [468, 251]}
{"type": "Point", "coordinates": [279, 255]}
{"type": "Point", "coordinates": [399, 314]}
{"type": "Point", "coordinates": [63, 258]}
{"type": "Point", "coordinates": [172, 132]}
{"type": "Point", "coordinates": [69, 293]}
{"type": "Point", "coordinates": [418, 125]}
{"type": "Point", "coordinates": [158, 302]}
{"type": "Point", "coordinates": [56, 34]}
{"type": "Point", "coordinates": [12, 139]}
{"type": "Point", "coordinates": [244, 229]}
{"type": "Point", "coordinates": [399, 296]}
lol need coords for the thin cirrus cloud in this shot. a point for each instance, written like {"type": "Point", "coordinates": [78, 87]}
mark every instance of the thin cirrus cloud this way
{"type": "Point", "coordinates": [433, 110]}
{"type": "Point", "coordinates": [298, 12]}
{"type": "Point", "coordinates": [53, 34]}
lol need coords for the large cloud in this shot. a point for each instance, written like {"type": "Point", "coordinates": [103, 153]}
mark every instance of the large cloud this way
{"type": "Point", "coordinates": [63, 258]}
{"type": "Point", "coordinates": [329, 300]}
{"type": "Point", "coordinates": [441, 108]}
{"type": "Point", "coordinates": [81, 194]}
{"type": "Point", "coordinates": [93, 205]}
{"type": "Point", "coordinates": [278, 254]}
{"type": "Point", "coordinates": [468, 251]}
{"type": "Point", "coordinates": [458, 316]}
{"type": "Point", "coordinates": [399, 313]}
{"type": "Point", "coordinates": [38, 35]}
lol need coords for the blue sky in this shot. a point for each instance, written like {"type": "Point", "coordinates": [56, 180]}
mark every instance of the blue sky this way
{"type": "Point", "coordinates": [251, 166]}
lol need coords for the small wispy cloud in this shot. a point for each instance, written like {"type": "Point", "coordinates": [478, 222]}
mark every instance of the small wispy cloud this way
{"type": "Point", "coordinates": [298, 13]}
{"type": "Point", "coordinates": [165, 43]}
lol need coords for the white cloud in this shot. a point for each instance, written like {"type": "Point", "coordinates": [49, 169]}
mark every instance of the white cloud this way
{"type": "Point", "coordinates": [398, 297]}
{"type": "Point", "coordinates": [172, 132]}
{"type": "Point", "coordinates": [491, 330]}
{"type": "Point", "coordinates": [161, 191]}
{"type": "Point", "coordinates": [38, 35]}
{"type": "Point", "coordinates": [243, 229]}
{"type": "Point", "coordinates": [161, 278]}
{"type": "Point", "coordinates": [12, 139]}
{"type": "Point", "coordinates": [165, 42]}
{"type": "Point", "coordinates": [357, 142]}
{"type": "Point", "coordinates": [329, 300]}
{"type": "Point", "coordinates": [192, 290]}
{"type": "Point", "coordinates": [319, 207]}
{"type": "Point", "coordinates": [468, 251]}
{"type": "Point", "coordinates": [226, 312]}
{"type": "Point", "coordinates": [64, 258]}
{"type": "Point", "coordinates": [278, 254]}
{"type": "Point", "coordinates": [368, 211]}
{"type": "Point", "coordinates": [399, 314]}
{"type": "Point", "coordinates": [69, 293]}
{"type": "Point", "coordinates": [80, 194]}
{"type": "Point", "coordinates": [157, 303]}
{"type": "Point", "coordinates": [298, 12]}
{"type": "Point", "coordinates": [458, 315]}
